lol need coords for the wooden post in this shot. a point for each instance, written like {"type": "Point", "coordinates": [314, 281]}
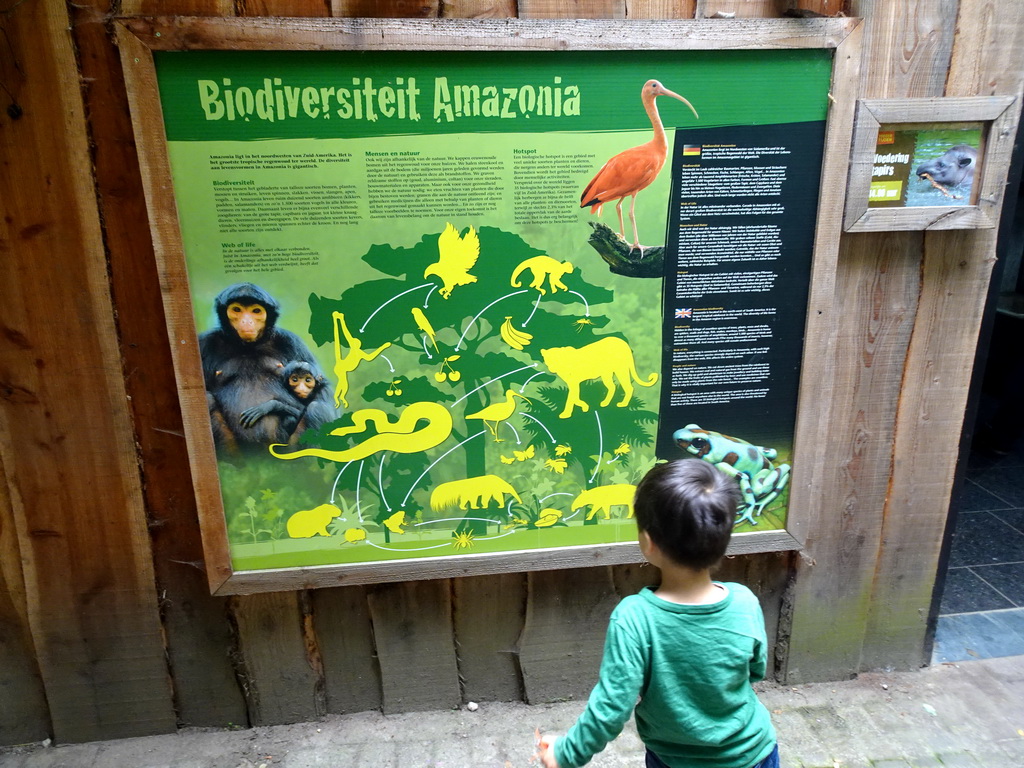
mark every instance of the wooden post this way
{"type": "Point", "coordinates": [70, 451]}
{"type": "Point", "coordinates": [903, 299]}
{"type": "Point", "coordinates": [988, 60]}
{"type": "Point", "coordinates": [195, 624]}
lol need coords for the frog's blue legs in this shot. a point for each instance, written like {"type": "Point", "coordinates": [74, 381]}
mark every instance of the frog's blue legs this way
{"type": "Point", "coordinates": [748, 503]}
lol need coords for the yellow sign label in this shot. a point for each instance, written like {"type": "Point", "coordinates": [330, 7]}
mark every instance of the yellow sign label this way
{"type": "Point", "coordinates": [885, 190]}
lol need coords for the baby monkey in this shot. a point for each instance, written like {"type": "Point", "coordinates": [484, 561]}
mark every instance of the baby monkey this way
{"type": "Point", "coordinates": [301, 382]}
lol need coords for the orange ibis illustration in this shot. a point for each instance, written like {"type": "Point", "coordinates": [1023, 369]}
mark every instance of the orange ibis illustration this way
{"type": "Point", "coordinates": [458, 255]}
{"type": "Point", "coordinates": [633, 170]}
{"type": "Point", "coordinates": [498, 412]}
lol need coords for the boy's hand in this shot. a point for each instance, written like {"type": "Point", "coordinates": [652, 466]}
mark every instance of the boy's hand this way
{"type": "Point", "coordinates": [546, 750]}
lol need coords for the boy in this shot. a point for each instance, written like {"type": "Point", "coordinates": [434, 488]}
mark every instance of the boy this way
{"type": "Point", "coordinates": [689, 648]}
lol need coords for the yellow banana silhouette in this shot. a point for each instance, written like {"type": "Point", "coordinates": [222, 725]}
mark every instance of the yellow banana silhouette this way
{"type": "Point", "coordinates": [514, 337]}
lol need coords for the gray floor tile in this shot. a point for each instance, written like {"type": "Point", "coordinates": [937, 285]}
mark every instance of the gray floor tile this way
{"type": "Point", "coordinates": [974, 498]}
{"type": "Point", "coordinates": [976, 636]}
{"type": "Point", "coordinates": [1002, 483]}
{"type": "Point", "coordinates": [966, 592]}
{"type": "Point", "coordinates": [984, 539]}
{"type": "Point", "coordinates": [1006, 579]}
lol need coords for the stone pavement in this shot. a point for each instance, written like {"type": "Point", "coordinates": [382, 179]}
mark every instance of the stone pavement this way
{"type": "Point", "coordinates": [969, 714]}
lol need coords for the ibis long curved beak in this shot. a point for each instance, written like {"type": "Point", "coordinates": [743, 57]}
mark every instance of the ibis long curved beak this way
{"type": "Point", "coordinates": [666, 92]}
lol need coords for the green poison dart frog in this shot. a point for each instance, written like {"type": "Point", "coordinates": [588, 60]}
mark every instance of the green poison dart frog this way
{"type": "Point", "coordinates": [759, 479]}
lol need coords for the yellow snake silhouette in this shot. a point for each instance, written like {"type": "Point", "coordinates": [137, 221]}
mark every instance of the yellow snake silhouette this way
{"type": "Point", "coordinates": [400, 436]}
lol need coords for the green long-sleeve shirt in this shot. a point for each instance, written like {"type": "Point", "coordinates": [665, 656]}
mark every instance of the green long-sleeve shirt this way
{"type": "Point", "coordinates": [692, 667]}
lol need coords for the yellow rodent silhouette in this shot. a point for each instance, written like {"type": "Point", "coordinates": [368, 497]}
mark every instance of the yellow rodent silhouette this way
{"type": "Point", "coordinates": [604, 497]}
{"type": "Point", "coordinates": [307, 523]}
{"type": "Point", "coordinates": [344, 365]}
{"type": "Point", "coordinates": [472, 492]}
{"type": "Point", "coordinates": [400, 436]}
{"type": "Point", "coordinates": [604, 359]}
{"type": "Point", "coordinates": [457, 255]}
{"type": "Point", "coordinates": [541, 267]}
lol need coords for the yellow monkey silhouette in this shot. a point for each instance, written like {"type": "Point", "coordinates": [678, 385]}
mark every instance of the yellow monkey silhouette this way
{"type": "Point", "coordinates": [344, 365]}
{"type": "Point", "coordinates": [541, 267]}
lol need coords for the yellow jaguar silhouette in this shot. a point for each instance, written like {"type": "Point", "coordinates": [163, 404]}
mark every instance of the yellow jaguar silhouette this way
{"type": "Point", "coordinates": [607, 359]}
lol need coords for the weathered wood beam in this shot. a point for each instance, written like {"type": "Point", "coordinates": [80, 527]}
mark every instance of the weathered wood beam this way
{"type": "Point", "coordinates": [70, 453]}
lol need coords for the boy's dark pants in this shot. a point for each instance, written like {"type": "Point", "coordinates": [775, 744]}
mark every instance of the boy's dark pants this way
{"type": "Point", "coordinates": [772, 761]}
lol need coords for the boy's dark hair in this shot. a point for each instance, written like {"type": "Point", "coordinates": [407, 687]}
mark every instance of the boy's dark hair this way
{"type": "Point", "coordinates": [688, 508]}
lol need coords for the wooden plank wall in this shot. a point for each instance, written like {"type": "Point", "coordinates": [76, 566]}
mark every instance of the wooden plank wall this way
{"type": "Point", "coordinates": [68, 451]}
{"type": "Point", "coordinates": [909, 307]}
{"type": "Point", "coordinates": [107, 628]}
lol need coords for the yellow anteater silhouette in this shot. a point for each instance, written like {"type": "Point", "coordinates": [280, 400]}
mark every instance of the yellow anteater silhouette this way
{"type": "Point", "coordinates": [604, 359]}
{"type": "Point", "coordinates": [472, 492]}
{"type": "Point", "coordinates": [400, 436]}
{"type": "Point", "coordinates": [604, 497]}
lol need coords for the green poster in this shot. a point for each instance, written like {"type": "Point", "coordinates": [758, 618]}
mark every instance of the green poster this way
{"type": "Point", "coordinates": [412, 348]}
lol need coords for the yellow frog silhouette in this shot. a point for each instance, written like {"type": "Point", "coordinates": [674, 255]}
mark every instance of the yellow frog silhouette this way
{"type": "Point", "coordinates": [604, 359]}
{"type": "Point", "coordinates": [541, 267]}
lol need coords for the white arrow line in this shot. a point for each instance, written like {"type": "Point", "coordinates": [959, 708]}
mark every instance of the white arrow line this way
{"type": "Point", "coordinates": [407, 549]}
{"type": "Point", "coordinates": [393, 298]}
{"type": "Point", "coordinates": [433, 287]}
{"type": "Point", "coordinates": [471, 322]}
{"type": "Point", "coordinates": [380, 481]}
{"type": "Point", "coordinates": [585, 304]}
{"type": "Point", "coordinates": [459, 520]}
{"type": "Point", "coordinates": [359, 484]}
{"type": "Point", "coordinates": [334, 488]}
{"type": "Point", "coordinates": [413, 486]}
{"type": "Point", "coordinates": [600, 445]}
{"type": "Point", "coordinates": [528, 416]}
{"type": "Point", "coordinates": [496, 378]}
{"type": "Point", "coordinates": [539, 373]}
{"type": "Point", "coordinates": [535, 305]}
{"type": "Point", "coordinates": [554, 494]}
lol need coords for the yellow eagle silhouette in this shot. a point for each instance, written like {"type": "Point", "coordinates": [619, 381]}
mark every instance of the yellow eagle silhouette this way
{"type": "Point", "coordinates": [458, 255]}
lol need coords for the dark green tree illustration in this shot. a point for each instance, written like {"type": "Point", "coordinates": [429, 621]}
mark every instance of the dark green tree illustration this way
{"type": "Point", "coordinates": [454, 351]}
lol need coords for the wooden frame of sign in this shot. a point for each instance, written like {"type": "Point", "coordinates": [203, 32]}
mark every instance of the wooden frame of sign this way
{"type": "Point", "coordinates": [980, 210]}
{"type": "Point", "coordinates": [138, 37]}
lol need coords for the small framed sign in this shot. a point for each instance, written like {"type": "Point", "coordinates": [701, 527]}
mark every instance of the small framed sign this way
{"type": "Point", "coordinates": [928, 163]}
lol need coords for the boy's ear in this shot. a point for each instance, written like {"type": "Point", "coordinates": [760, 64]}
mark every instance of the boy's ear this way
{"type": "Point", "coordinates": [646, 545]}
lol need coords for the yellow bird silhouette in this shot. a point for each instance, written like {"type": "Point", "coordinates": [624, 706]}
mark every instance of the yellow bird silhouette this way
{"type": "Point", "coordinates": [458, 256]}
{"type": "Point", "coordinates": [424, 325]}
{"type": "Point", "coordinates": [498, 412]}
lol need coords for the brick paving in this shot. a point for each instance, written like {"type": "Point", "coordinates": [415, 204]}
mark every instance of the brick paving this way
{"type": "Point", "coordinates": [963, 715]}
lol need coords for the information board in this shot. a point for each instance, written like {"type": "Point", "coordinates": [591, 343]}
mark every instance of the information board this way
{"type": "Point", "coordinates": [426, 333]}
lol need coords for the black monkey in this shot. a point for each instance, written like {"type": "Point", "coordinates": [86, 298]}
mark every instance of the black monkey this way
{"type": "Point", "coordinates": [242, 363]}
{"type": "Point", "coordinates": [299, 404]}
